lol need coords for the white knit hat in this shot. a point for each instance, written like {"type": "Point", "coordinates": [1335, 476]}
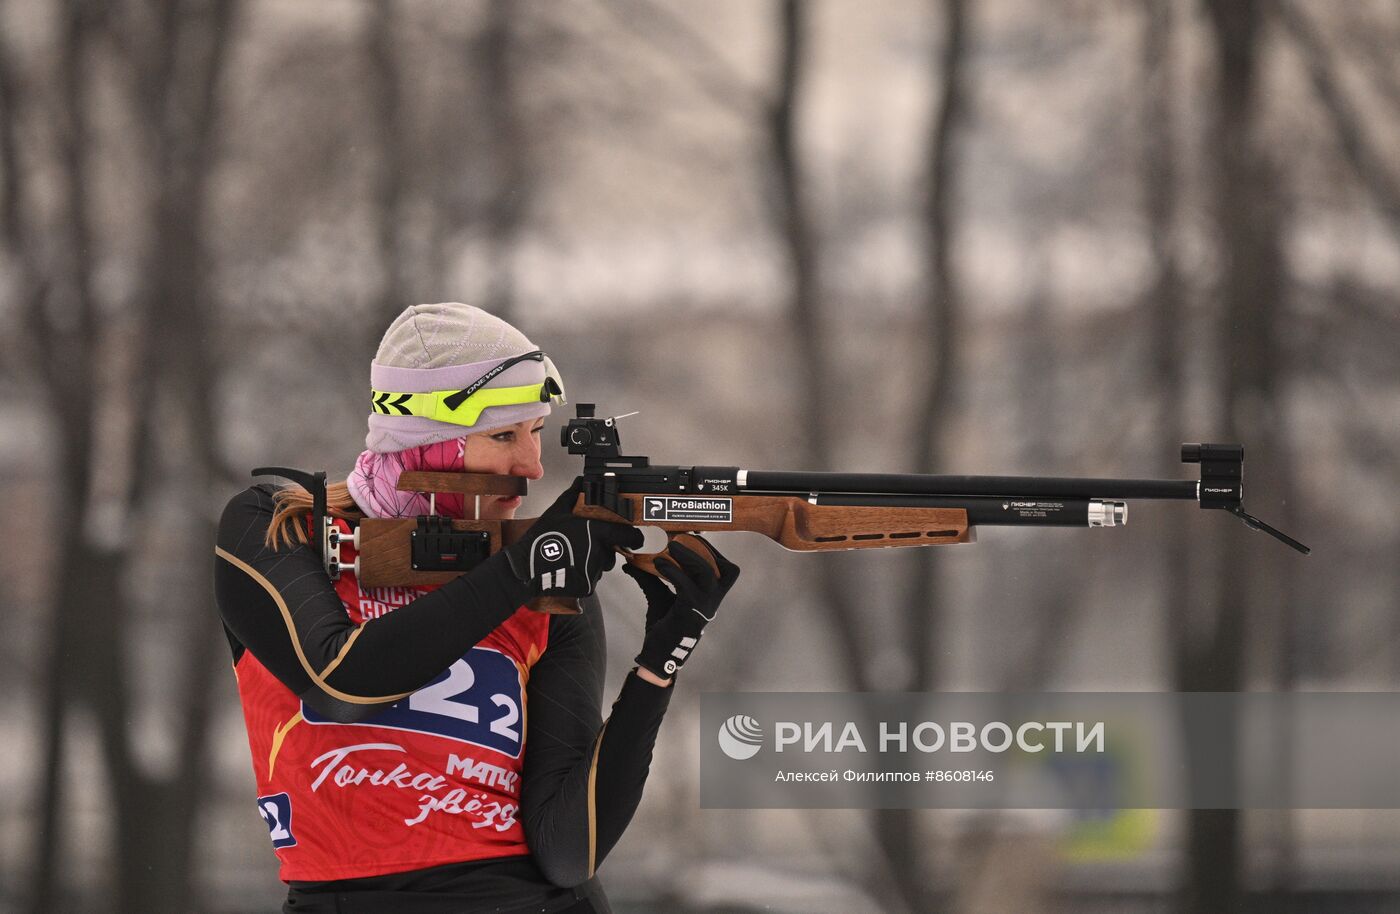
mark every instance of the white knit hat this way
{"type": "Point", "coordinates": [446, 347]}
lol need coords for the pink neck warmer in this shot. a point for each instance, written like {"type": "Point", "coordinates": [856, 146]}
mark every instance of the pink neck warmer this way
{"type": "Point", "coordinates": [375, 477]}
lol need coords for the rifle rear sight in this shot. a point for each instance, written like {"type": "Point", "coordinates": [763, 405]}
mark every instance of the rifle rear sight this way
{"type": "Point", "coordinates": [595, 440]}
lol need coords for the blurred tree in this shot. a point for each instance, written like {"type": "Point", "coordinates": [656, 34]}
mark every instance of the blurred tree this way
{"type": "Point", "coordinates": [1165, 301]}
{"type": "Point", "coordinates": [793, 222]}
{"type": "Point", "coordinates": [507, 150]}
{"type": "Point", "coordinates": [918, 612]}
{"type": "Point", "coordinates": [27, 281]}
{"type": "Point", "coordinates": [1165, 296]}
{"type": "Point", "coordinates": [1248, 227]}
{"type": "Point", "coordinates": [943, 326]}
{"type": "Point", "coordinates": [175, 54]}
{"type": "Point", "coordinates": [382, 57]}
{"type": "Point", "coordinates": [1042, 579]}
{"type": "Point", "coordinates": [66, 357]}
{"type": "Point", "coordinates": [1348, 124]}
{"type": "Point", "coordinates": [920, 603]}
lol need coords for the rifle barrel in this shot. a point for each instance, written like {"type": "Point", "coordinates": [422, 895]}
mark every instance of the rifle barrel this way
{"type": "Point", "coordinates": [788, 483]}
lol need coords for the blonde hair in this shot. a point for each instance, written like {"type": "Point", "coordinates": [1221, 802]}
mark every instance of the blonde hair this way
{"type": "Point", "coordinates": [291, 504]}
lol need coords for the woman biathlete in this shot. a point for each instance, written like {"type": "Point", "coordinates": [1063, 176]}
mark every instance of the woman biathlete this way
{"type": "Point", "coordinates": [442, 749]}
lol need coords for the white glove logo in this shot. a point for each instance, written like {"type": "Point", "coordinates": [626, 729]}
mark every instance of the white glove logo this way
{"type": "Point", "coordinates": [548, 550]}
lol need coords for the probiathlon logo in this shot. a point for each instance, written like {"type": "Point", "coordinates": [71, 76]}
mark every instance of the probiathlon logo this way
{"type": "Point", "coordinates": [703, 510]}
{"type": "Point", "coordinates": [740, 737]}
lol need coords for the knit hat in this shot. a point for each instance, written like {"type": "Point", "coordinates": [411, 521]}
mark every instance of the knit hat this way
{"type": "Point", "coordinates": [443, 372]}
{"type": "Point", "coordinates": [447, 370]}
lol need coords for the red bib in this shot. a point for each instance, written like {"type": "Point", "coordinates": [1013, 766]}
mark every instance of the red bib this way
{"type": "Point", "coordinates": [433, 779]}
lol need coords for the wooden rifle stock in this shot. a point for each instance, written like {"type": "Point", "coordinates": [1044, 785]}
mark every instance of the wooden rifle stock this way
{"type": "Point", "coordinates": [794, 523]}
{"type": "Point", "coordinates": [790, 521]}
{"type": "Point", "coordinates": [385, 557]}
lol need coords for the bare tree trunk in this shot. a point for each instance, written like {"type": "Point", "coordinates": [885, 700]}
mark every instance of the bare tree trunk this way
{"type": "Point", "coordinates": [943, 323]}
{"type": "Point", "coordinates": [1165, 299]}
{"type": "Point", "coordinates": [1043, 587]}
{"type": "Point", "coordinates": [508, 152]}
{"type": "Point", "coordinates": [177, 62]}
{"type": "Point", "coordinates": [17, 234]}
{"type": "Point", "coordinates": [1274, 433]}
{"type": "Point", "coordinates": [1044, 578]}
{"type": "Point", "coordinates": [795, 228]}
{"type": "Point", "coordinates": [67, 362]}
{"type": "Point", "coordinates": [157, 849]}
{"type": "Point", "coordinates": [1370, 166]}
{"type": "Point", "coordinates": [1248, 226]}
{"type": "Point", "coordinates": [893, 828]}
{"type": "Point", "coordinates": [14, 213]}
{"type": "Point", "coordinates": [815, 394]}
{"type": "Point", "coordinates": [921, 608]}
{"type": "Point", "coordinates": [383, 61]}
{"type": "Point", "coordinates": [1166, 295]}
{"type": "Point", "coordinates": [798, 235]}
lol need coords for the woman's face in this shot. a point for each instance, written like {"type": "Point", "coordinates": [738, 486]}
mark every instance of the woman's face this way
{"type": "Point", "coordinates": [510, 451]}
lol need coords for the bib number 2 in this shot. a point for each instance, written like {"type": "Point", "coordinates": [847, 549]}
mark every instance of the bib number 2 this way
{"type": "Point", "coordinates": [276, 812]}
{"type": "Point", "coordinates": [441, 697]}
{"type": "Point", "coordinates": [475, 700]}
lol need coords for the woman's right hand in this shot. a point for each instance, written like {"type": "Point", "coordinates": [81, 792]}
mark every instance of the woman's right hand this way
{"type": "Point", "coordinates": [564, 556]}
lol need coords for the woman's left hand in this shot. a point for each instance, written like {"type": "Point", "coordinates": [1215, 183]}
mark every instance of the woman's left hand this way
{"type": "Point", "coordinates": [675, 620]}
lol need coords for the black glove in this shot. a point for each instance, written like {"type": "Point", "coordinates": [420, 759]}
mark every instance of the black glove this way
{"type": "Point", "coordinates": [676, 620]}
{"type": "Point", "coordinates": [564, 556]}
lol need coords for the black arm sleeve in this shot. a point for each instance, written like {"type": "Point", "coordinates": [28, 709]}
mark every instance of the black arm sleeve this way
{"type": "Point", "coordinates": [282, 606]}
{"type": "Point", "coordinates": [583, 778]}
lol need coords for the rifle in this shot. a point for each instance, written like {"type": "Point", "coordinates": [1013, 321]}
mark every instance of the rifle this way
{"type": "Point", "coordinates": [801, 511]}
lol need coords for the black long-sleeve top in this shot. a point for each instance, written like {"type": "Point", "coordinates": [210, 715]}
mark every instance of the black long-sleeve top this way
{"type": "Point", "coordinates": [348, 672]}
